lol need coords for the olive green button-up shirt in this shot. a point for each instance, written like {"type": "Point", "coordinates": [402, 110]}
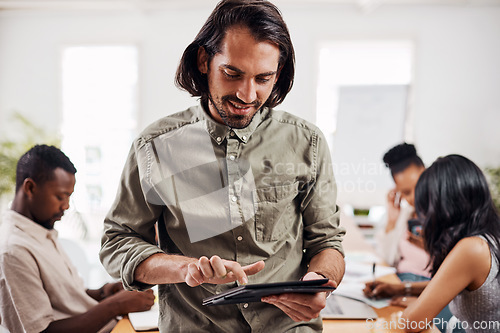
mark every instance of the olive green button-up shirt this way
{"type": "Point", "coordinates": [264, 192]}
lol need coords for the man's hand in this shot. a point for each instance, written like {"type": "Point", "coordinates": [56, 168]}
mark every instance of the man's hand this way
{"type": "Point", "coordinates": [301, 307]}
{"type": "Point", "coordinates": [219, 271]}
{"type": "Point", "coordinates": [131, 301]}
{"type": "Point", "coordinates": [110, 289]}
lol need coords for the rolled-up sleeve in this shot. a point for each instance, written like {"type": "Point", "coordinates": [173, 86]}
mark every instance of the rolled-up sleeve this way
{"type": "Point", "coordinates": [320, 212]}
{"type": "Point", "coordinates": [129, 232]}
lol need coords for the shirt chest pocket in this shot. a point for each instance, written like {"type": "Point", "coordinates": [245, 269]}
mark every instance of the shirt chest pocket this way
{"type": "Point", "coordinates": [275, 211]}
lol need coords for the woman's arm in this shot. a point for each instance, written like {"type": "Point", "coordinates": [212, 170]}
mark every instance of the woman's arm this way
{"type": "Point", "coordinates": [388, 240]}
{"type": "Point", "coordinates": [466, 266]}
{"type": "Point", "coordinates": [380, 289]}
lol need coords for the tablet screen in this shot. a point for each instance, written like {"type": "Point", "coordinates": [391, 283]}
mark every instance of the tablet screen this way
{"type": "Point", "coordinates": [254, 292]}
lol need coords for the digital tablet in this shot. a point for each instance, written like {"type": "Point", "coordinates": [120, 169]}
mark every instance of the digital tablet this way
{"type": "Point", "coordinates": [254, 292]}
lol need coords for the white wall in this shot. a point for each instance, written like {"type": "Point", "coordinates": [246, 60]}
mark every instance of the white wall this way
{"type": "Point", "coordinates": [456, 91]}
{"type": "Point", "coordinates": [455, 96]}
{"type": "Point", "coordinates": [30, 53]}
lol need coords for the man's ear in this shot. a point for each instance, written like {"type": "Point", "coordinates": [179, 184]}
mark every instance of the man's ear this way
{"type": "Point", "coordinates": [28, 187]}
{"type": "Point", "coordinates": [202, 60]}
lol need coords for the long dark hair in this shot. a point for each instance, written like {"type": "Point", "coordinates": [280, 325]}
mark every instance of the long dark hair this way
{"type": "Point", "coordinates": [266, 24]}
{"type": "Point", "coordinates": [453, 201]}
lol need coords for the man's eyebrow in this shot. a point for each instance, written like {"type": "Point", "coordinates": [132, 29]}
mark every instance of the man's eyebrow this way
{"type": "Point", "coordinates": [268, 73]}
{"type": "Point", "coordinates": [239, 71]}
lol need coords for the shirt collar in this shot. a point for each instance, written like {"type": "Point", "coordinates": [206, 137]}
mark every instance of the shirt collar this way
{"type": "Point", "coordinates": [30, 227]}
{"type": "Point", "coordinates": [219, 132]}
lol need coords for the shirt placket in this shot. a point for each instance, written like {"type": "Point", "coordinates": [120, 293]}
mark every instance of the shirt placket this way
{"type": "Point", "coordinates": [236, 188]}
{"type": "Point", "coordinates": [233, 176]}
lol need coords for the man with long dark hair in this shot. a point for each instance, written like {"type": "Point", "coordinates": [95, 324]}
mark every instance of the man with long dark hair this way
{"type": "Point", "coordinates": [240, 192]}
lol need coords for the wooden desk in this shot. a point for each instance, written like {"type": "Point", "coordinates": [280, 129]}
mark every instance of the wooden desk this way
{"type": "Point", "coordinates": [387, 317]}
{"type": "Point", "coordinates": [386, 323]}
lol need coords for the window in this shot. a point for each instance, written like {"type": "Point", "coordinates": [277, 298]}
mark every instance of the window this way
{"type": "Point", "coordinates": [99, 103]}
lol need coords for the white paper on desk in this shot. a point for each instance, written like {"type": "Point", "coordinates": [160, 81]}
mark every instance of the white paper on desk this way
{"type": "Point", "coordinates": [362, 257]}
{"type": "Point", "coordinates": [354, 290]}
{"type": "Point", "coordinates": [145, 321]}
{"type": "Point", "coordinates": [359, 272]}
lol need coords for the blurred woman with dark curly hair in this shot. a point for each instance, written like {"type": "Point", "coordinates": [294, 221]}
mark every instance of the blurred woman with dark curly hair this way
{"type": "Point", "coordinates": [397, 246]}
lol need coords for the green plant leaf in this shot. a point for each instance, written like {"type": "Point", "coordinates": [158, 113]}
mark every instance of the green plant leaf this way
{"type": "Point", "coordinates": [11, 149]}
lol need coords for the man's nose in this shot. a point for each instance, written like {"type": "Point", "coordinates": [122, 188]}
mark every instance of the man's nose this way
{"type": "Point", "coordinates": [247, 91]}
{"type": "Point", "coordinates": [65, 205]}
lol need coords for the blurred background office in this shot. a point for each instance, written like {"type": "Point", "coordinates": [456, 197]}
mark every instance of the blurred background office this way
{"type": "Point", "coordinates": [89, 75]}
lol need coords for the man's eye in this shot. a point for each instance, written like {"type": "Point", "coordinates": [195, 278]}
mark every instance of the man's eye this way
{"type": "Point", "coordinates": [262, 80]}
{"type": "Point", "coordinates": [231, 76]}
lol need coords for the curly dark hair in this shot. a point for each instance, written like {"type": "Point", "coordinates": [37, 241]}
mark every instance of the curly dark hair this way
{"type": "Point", "coordinates": [39, 164]}
{"type": "Point", "coordinates": [265, 22]}
{"type": "Point", "coordinates": [400, 157]}
{"type": "Point", "coordinates": [453, 201]}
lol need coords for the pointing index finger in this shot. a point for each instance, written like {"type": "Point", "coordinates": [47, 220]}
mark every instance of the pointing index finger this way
{"type": "Point", "coordinates": [236, 269]}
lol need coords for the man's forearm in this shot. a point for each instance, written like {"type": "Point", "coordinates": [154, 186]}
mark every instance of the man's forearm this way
{"type": "Point", "coordinates": [90, 321]}
{"type": "Point", "coordinates": [161, 268]}
{"type": "Point", "coordinates": [329, 263]}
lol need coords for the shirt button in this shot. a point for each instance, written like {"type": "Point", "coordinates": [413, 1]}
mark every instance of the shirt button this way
{"type": "Point", "coordinates": [239, 238]}
{"type": "Point", "coordinates": [234, 199]}
{"type": "Point", "coordinates": [232, 158]}
{"type": "Point", "coordinates": [231, 133]}
{"type": "Point", "coordinates": [219, 139]}
{"type": "Point", "coordinates": [244, 137]}
{"type": "Point", "coordinates": [245, 305]}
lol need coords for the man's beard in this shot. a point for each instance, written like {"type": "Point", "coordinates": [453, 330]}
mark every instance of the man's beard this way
{"type": "Point", "coordinates": [49, 224]}
{"type": "Point", "coordinates": [234, 120]}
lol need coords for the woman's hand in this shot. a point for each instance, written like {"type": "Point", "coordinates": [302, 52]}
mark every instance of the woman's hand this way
{"type": "Point", "coordinates": [403, 301]}
{"type": "Point", "coordinates": [416, 240]}
{"type": "Point", "coordinates": [379, 289]}
{"type": "Point", "coordinates": [393, 209]}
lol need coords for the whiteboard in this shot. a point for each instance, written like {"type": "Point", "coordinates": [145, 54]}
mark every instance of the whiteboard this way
{"type": "Point", "coordinates": [370, 120]}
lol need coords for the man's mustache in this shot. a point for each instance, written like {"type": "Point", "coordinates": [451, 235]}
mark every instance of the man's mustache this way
{"type": "Point", "coordinates": [235, 99]}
